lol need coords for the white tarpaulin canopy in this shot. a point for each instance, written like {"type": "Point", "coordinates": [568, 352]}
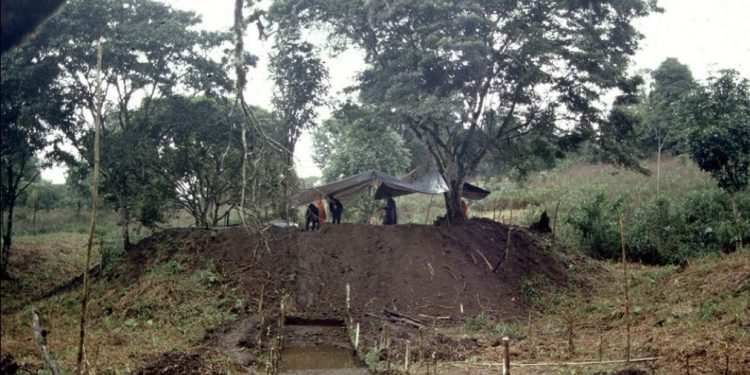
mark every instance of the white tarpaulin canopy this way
{"type": "Point", "coordinates": [347, 189]}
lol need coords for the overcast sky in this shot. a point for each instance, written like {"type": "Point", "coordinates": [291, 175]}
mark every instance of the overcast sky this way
{"type": "Point", "coordinates": [707, 35]}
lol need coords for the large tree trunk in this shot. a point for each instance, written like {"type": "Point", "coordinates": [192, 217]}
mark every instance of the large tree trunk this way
{"type": "Point", "coordinates": [283, 208]}
{"type": "Point", "coordinates": [10, 196]}
{"type": "Point", "coordinates": [453, 200]}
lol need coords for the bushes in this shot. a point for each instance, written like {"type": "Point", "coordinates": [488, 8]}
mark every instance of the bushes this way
{"type": "Point", "coordinates": [596, 223]}
{"type": "Point", "coordinates": [660, 230]}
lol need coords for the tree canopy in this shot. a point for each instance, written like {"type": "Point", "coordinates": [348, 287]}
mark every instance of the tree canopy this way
{"type": "Point", "coordinates": [719, 139]}
{"type": "Point", "coordinates": [467, 75]}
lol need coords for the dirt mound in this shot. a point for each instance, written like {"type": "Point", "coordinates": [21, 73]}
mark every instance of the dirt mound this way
{"type": "Point", "coordinates": [178, 364]}
{"type": "Point", "coordinates": [405, 276]}
{"type": "Point", "coordinates": [424, 271]}
{"type": "Point", "coordinates": [435, 271]}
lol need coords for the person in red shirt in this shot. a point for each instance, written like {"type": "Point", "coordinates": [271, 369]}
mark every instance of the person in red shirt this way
{"type": "Point", "coordinates": [321, 210]}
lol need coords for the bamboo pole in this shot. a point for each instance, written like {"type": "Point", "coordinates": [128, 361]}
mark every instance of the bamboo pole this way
{"type": "Point", "coordinates": [627, 298]}
{"type": "Point", "coordinates": [94, 199]}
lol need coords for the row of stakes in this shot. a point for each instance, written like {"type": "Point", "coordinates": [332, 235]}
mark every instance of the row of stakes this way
{"type": "Point", "coordinates": [505, 369]}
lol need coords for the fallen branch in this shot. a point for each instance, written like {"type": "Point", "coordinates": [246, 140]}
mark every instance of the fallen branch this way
{"type": "Point", "coordinates": [41, 342]}
{"type": "Point", "coordinates": [487, 262]}
{"type": "Point", "coordinates": [396, 316]}
{"type": "Point", "coordinates": [434, 317]}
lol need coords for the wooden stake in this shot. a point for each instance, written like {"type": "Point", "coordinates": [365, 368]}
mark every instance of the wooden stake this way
{"type": "Point", "coordinates": [506, 356]}
{"type": "Point", "coordinates": [627, 298]}
{"type": "Point", "coordinates": [387, 336]}
{"type": "Point", "coordinates": [348, 297]}
{"type": "Point", "coordinates": [356, 337]}
{"type": "Point", "coordinates": [94, 198]}
{"type": "Point", "coordinates": [503, 263]}
{"type": "Point", "coordinates": [421, 345]}
{"type": "Point", "coordinates": [406, 358]}
{"type": "Point", "coordinates": [687, 364]}
{"type": "Point", "coordinates": [531, 336]}
{"type": "Point", "coordinates": [571, 334]}
{"type": "Point", "coordinates": [601, 348]}
{"type": "Point", "coordinates": [726, 364]}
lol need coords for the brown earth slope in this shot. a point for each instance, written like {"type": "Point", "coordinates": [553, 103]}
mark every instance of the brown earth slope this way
{"type": "Point", "coordinates": [434, 274]}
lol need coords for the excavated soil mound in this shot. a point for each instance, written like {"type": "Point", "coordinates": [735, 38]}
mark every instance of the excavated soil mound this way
{"type": "Point", "coordinates": [418, 270]}
{"type": "Point", "coordinates": [405, 276]}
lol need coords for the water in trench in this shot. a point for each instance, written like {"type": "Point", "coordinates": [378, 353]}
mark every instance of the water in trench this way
{"type": "Point", "coordinates": [318, 349]}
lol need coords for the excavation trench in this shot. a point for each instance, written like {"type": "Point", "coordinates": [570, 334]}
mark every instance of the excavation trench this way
{"type": "Point", "coordinates": [318, 346]}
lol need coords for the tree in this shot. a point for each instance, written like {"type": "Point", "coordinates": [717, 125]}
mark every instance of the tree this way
{"type": "Point", "coordinates": [663, 129]}
{"type": "Point", "coordinates": [468, 75]}
{"type": "Point", "coordinates": [353, 141]}
{"type": "Point", "coordinates": [718, 115]}
{"type": "Point", "coordinates": [202, 155]}
{"type": "Point", "coordinates": [30, 107]}
{"type": "Point", "coordinates": [151, 51]}
{"type": "Point", "coordinates": [300, 84]}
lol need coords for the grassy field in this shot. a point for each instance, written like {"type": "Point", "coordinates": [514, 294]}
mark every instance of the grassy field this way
{"type": "Point", "coordinates": [136, 311]}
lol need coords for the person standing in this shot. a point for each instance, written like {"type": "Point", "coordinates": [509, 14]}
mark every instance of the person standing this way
{"type": "Point", "coordinates": [390, 218]}
{"type": "Point", "coordinates": [337, 209]}
{"type": "Point", "coordinates": [321, 211]}
{"type": "Point", "coordinates": [311, 217]}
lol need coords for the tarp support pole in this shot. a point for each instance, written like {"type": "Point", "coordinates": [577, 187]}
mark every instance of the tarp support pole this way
{"type": "Point", "coordinates": [427, 218]}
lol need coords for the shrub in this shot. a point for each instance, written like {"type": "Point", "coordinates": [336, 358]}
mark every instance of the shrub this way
{"type": "Point", "coordinates": [665, 230]}
{"type": "Point", "coordinates": [596, 223]}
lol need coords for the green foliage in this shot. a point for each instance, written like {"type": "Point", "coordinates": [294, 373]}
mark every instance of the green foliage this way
{"type": "Point", "coordinates": [660, 230]}
{"type": "Point", "coordinates": [596, 221]}
{"type": "Point", "coordinates": [477, 323]}
{"type": "Point", "coordinates": [463, 75]}
{"type": "Point", "coordinates": [31, 105]}
{"type": "Point", "coordinates": [150, 51]}
{"type": "Point", "coordinates": [719, 140]}
{"type": "Point", "coordinates": [662, 129]}
{"type": "Point", "coordinates": [532, 288]}
{"type": "Point", "coordinates": [352, 142]}
{"type": "Point", "coordinates": [201, 155]}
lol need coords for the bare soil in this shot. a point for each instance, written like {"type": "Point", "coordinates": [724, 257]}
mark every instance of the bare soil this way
{"type": "Point", "coordinates": [433, 276]}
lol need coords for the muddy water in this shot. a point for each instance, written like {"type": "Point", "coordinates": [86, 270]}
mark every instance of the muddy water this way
{"type": "Point", "coordinates": [324, 359]}
{"type": "Point", "coordinates": [318, 349]}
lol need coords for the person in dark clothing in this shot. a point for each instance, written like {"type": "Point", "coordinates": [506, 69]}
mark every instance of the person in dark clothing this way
{"type": "Point", "coordinates": [336, 209]}
{"type": "Point", "coordinates": [312, 216]}
{"type": "Point", "coordinates": [390, 218]}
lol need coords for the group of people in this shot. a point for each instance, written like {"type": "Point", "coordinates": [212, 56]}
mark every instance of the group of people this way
{"type": "Point", "coordinates": [315, 215]}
